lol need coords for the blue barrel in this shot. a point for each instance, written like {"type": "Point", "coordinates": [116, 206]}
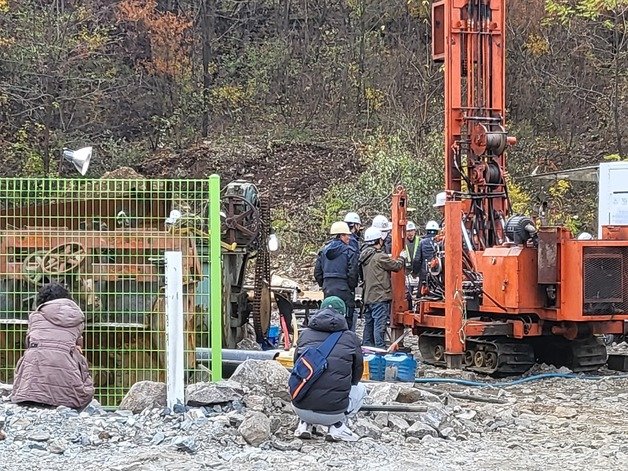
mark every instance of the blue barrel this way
{"type": "Point", "coordinates": [273, 335]}
{"type": "Point", "coordinates": [399, 367]}
{"type": "Point", "coordinates": [377, 366]}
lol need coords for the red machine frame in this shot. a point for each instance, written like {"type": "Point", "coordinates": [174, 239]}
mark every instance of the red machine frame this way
{"type": "Point", "coordinates": [528, 291]}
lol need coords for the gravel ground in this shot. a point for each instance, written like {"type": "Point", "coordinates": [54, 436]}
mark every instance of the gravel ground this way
{"type": "Point", "coordinates": [547, 424]}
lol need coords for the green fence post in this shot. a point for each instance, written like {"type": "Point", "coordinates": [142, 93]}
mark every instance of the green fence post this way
{"type": "Point", "coordinates": [215, 277]}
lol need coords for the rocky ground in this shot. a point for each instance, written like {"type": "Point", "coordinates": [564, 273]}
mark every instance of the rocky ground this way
{"type": "Point", "coordinates": [246, 424]}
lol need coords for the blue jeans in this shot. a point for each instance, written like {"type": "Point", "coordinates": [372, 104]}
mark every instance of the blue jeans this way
{"type": "Point", "coordinates": [375, 317]}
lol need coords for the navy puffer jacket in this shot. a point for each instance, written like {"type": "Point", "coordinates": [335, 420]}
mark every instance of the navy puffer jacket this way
{"type": "Point", "coordinates": [337, 260]}
{"type": "Point", "coordinates": [330, 393]}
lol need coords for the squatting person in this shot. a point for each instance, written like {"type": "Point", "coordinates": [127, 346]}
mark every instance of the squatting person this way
{"type": "Point", "coordinates": [53, 370]}
{"type": "Point", "coordinates": [337, 393]}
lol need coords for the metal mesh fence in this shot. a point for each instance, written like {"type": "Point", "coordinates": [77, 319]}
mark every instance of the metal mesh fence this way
{"type": "Point", "coordinates": [105, 241]}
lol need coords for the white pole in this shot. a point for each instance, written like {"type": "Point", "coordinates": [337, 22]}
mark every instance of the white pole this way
{"type": "Point", "coordinates": [174, 328]}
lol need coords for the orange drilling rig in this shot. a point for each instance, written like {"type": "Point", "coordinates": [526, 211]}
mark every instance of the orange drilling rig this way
{"type": "Point", "coordinates": [502, 293]}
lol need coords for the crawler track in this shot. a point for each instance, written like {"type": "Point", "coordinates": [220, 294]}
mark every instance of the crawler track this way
{"type": "Point", "coordinates": [501, 356]}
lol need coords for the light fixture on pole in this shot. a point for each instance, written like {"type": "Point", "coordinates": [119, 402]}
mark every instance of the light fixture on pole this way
{"type": "Point", "coordinates": [80, 158]}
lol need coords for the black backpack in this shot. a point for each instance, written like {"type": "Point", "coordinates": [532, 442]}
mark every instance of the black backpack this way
{"type": "Point", "coordinates": [310, 366]}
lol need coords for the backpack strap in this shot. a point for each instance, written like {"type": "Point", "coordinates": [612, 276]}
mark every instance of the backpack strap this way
{"type": "Point", "coordinates": [326, 347]}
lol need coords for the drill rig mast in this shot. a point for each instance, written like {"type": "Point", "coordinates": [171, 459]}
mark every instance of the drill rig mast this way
{"type": "Point", "coordinates": [508, 294]}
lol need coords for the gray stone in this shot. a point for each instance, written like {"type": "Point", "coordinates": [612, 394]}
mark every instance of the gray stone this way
{"type": "Point", "coordinates": [57, 446]}
{"type": "Point", "coordinates": [255, 428]}
{"type": "Point", "coordinates": [409, 395]}
{"type": "Point", "coordinates": [235, 418]}
{"type": "Point", "coordinates": [420, 430]}
{"type": "Point", "coordinates": [206, 394]}
{"type": "Point", "coordinates": [398, 422]}
{"type": "Point", "coordinates": [194, 414]}
{"type": "Point", "coordinates": [39, 436]}
{"type": "Point", "coordinates": [434, 417]}
{"type": "Point", "coordinates": [267, 377]}
{"type": "Point", "coordinates": [366, 428]}
{"type": "Point", "coordinates": [381, 419]}
{"type": "Point", "coordinates": [94, 408]}
{"type": "Point", "coordinates": [248, 344]}
{"type": "Point", "coordinates": [294, 445]}
{"type": "Point", "coordinates": [37, 446]}
{"type": "Point", "coordinates": [144, 395]}
{"type": "Point", "coordinates": [187, 444]}
{"type": "Point", "coordinates": [256, 402]}
{"type": "Point", "coordinates": [383, 393]}
{"type": "Point", "coordinates": [565, 412]}
{"type": "Point", "coordinates": [5, 389]}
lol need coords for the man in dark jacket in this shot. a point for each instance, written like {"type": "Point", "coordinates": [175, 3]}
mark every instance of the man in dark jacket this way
{"type": "Point", "coordinates": [376, 267]}
{"type": "Point", "coordinates": [355, 226]}
{"type": "Point", "coordinates": [336, 268]}
{"type": "Point", "coordinates": [425, 253]}
{"type": "Point", "coordinates": [337, 393]}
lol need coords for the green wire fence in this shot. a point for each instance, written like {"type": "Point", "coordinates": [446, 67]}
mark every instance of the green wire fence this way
{"type": "Point", "coordinates": [105, 240]}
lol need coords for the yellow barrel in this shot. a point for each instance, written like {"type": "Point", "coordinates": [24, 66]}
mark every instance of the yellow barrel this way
{"type": "Point", "coordinates": [286, 359]}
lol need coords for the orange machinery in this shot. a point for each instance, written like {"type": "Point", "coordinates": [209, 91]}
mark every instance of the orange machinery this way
{"type": "Point", "coordinates": [503, 293]}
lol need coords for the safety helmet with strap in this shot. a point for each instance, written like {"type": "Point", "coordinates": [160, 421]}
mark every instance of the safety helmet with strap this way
{"type": "Point", "coordinates": [372, 235]}
{"type": "Point", "coordinates": [340, 228]}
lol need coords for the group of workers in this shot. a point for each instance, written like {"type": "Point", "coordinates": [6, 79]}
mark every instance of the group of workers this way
{"type": "Point", "coordinates": [352, 257]}
{"type": "Point", "coordinates": [348, 259]}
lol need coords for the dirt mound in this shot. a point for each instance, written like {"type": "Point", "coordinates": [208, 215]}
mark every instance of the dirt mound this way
{"type": "Point", "coordinates": [291, 172]}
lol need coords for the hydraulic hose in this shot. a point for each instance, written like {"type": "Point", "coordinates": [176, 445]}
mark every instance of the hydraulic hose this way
{"type": "Point", "coordinates": [503, 384]}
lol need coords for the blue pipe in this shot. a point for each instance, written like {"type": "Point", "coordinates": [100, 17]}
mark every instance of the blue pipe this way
{"type": "Point", "coordinates": [481, 384]}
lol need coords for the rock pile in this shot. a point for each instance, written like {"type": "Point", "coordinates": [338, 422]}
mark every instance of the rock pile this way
{"type": "Point", "coordinates": [248, 424]}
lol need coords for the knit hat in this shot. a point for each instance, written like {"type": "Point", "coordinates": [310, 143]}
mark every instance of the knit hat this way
{"type": "Point", "coordinates": [335, 303]}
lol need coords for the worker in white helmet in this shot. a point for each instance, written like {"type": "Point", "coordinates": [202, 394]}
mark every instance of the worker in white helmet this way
{"type": "Point", "coordinates": [411, 240]}
{"type": "Point", "coordinates": [585, 236]}
{"type": "Point", "coordinates": [355, 225]}
{"type": "Point", "coordinates": [441, 198]}
{"type": "Point", "coordinates": [409, 252]}
{"type": "Point", "coordinates": [425, 252]}
{"type": "Point", "coordinates": [336, 270]}
{"type": "Point", "coordinates": [376, 267]}
{"type": "Point", "coordinates": [383, 224]}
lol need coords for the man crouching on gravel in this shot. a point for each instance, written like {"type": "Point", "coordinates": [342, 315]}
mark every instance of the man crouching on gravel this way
{"type": "Point", "coordinates": [336, 394]}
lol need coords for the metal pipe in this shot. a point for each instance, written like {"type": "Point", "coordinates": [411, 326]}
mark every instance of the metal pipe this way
{"type": "Point", "coordinates": [231, 359]}
{"type": "Point", "coordinates": [393, 408]}
{"type": "Point", "coordinates": [204, 355]}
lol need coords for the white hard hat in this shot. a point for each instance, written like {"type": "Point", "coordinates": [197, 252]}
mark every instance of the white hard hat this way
{"type": "Point", "coordinates": [410, 226]}
{"type": "Point", "coordinates": [339, 228]}
{"type": "Point", "coordinates": [432, 226]}
{"type": "Point", "coordinates": [372, 234]}
{"type": "Point", "coordinates": [440, 200]}
{"type": "Point", "coordinates": [585, 236]}
{"type": "Point", "coordinates": [382, 223]}
{"type": "Point", "coordinates": [352, 218]}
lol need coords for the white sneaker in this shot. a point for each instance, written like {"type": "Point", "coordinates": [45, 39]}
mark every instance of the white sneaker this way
{"type": "Point", "coordinates": [341, 433]}
{"type": "Point", "coordinates": [304, 430]}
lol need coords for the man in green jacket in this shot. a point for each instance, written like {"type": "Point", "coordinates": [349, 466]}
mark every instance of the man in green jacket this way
{"type": "Point", "coordinates": [376, 266]}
